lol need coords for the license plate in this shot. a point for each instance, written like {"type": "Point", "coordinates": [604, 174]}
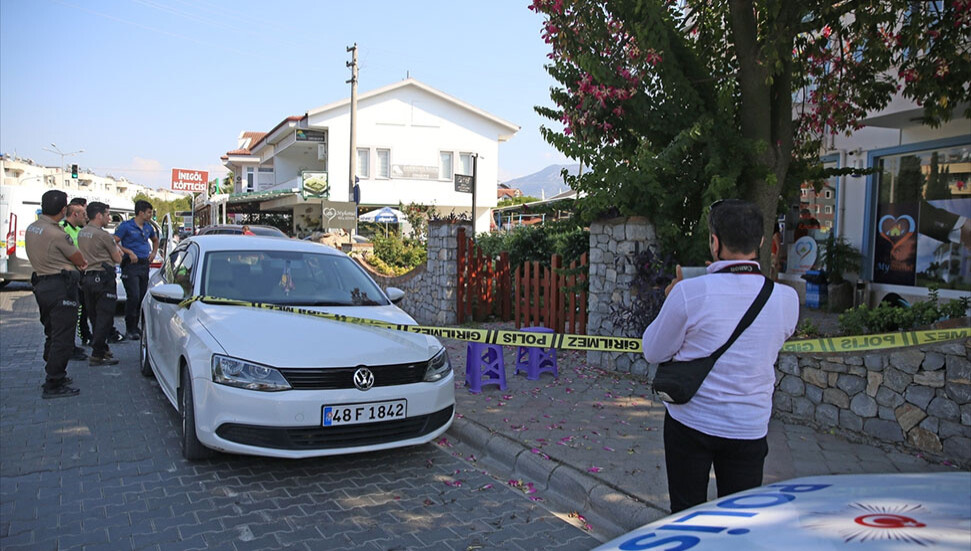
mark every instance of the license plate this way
{"type": "Point", "coordinates": [367, 412]}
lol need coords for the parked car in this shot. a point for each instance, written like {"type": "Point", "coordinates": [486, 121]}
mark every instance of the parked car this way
{"type": "Point", "coordinates": [233, 229]}
{"type": "Point", "coordinates": [886, 512]}
{"type": "Point", "coordinates": [263, 382]}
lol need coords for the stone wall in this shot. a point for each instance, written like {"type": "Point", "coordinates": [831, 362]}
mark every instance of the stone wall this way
{"type": "Point", "coordinates": [614, 244]}
{"type": "Point", "coordinates": [430, 289]}
{"type": "Point", "coordinates": [918, 397]}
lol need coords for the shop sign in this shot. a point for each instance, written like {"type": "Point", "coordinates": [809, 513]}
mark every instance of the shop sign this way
{"type": "Point", "coordinates": [463, 183]}
{"type": "Point", "coordinates": [318, 136]}
{"type": "Point", "coordinates": [314, 185]}
{"type": "Point", "coordinates": [414, 172]}
{"type": "Point", "coordinates": [184, 179]}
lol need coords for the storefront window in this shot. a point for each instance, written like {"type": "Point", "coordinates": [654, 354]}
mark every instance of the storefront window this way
{"type": "Point", "coordinates": [923, 222]}
{"type": "Point", "coordinates": [808, 225]}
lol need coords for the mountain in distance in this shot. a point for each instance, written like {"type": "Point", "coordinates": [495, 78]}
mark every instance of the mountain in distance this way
{"type": "Point", "coordinates": [548, 181]}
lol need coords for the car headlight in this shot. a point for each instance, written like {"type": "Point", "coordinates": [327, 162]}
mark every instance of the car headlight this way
{"type": "Point", "coordinates": [438, 367]}
{"type": "Point", "coordinates": [242, 374]}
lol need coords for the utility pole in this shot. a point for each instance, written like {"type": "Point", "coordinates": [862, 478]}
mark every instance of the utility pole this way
{"type": "Point", "coordinates": [352, 167]}
{"type": "Point", "coordinates": [475, 177]}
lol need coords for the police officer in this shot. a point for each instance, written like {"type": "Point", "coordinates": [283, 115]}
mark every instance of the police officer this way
{"type": "Point", "coordinates": [56, 261]}
{"type": "Point", "coordinates": [98, 282]}
{"type": "Point", "coordinates": [73, 221]}
{"type": "Point", "coordinates": [139, 243]}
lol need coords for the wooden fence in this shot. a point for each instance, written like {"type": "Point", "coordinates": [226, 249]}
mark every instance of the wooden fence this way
{"type": "Point", "coordinates": [552, 296]}
{"type": "Point", "coordinates": [484, 285]}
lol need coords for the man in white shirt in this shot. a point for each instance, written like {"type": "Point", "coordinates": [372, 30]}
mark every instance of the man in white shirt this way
{"type": "Point", "coordinates": [726, 422]}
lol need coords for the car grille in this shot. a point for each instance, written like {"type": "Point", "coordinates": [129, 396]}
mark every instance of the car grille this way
{"type": "Point", "coordinates": [325, 438]}
{"type": "Point", "coordinates": [335, 378]}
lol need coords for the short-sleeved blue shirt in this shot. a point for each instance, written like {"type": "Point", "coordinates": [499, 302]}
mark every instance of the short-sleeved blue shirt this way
{"type": "Point", "coordinates": [136, 239]}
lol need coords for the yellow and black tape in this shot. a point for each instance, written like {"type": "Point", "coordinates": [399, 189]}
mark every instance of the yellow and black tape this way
{"type": "Point", "coordinates": [565, 341]}
{"type": "Point", "coordinates": [860, 343]}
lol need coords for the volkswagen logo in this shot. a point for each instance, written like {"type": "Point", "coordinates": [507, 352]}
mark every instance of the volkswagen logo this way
{"type": "Point", "coordinates": [363, 378]}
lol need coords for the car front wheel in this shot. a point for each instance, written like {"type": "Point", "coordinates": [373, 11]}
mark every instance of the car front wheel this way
{"type": "Point", "coordinates": [192, 449]}
{"type": "Point", "coordinates": [143, 352]}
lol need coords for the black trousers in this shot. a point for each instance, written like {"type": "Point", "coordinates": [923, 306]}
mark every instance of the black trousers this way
{"type": "Point", "coordinates": [100, 299]}
{"type": "Point", "coordinates": [689, 455]}
{"type": "Point", "coordinates": [84, 329]}
{"type": "Point", "coordinates": [57, 300]}
{"type": "Point", "coordinates": [134, 277]}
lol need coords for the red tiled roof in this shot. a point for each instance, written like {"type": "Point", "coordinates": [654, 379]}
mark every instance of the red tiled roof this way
{"type": "Point", "coordinates": [254, 137]}
{"type": "Point", "coordinates": [257, 137]}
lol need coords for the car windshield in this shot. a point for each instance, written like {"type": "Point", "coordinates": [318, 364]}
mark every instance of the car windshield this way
{"type": "Point", "coordinates": [293, 278]}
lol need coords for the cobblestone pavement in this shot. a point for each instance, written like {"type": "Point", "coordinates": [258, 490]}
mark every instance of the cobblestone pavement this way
{"type": "Point", "coordinates": [103, 470]}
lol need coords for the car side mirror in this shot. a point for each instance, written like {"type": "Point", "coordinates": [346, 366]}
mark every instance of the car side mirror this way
{"type": "Point", "coordinates": [394, 294]}
{"type": "Point", "coordinates": [171, 293]}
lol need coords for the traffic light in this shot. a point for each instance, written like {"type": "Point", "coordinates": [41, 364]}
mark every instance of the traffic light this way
{"type": "Point", "coordinates": [74, 171]}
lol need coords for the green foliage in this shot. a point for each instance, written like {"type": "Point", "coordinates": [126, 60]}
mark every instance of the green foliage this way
{"type": "Point", "coordinates": [840, 258]}
{"type": "Point", "coordinates": [537, 243]}
{"type": "Point", "coordinates": [673, 105]}
{"type": "Point", "coordinates": [886, 317]}
{"type": "Point", "coordinates": [161, 208]}
{"type": "Point", "coordinates": [400, 253]}
{"type": "Point", "coordinates": [418, 215]}
{"type": "Point", "coordinates": [807, 330]}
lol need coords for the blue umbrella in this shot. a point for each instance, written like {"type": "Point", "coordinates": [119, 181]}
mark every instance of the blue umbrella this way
{"type": "Point", "coordinates": [387, 216]}
{"type": "Point", "coordinates": [384, 215]}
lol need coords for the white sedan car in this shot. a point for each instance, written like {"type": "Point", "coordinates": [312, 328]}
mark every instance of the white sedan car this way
{"type": "Point", "coordinates": [266, 382]}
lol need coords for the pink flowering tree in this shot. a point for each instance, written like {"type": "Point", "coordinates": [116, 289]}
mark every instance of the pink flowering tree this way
{"type": "Point", "coordinates": [675, 104]}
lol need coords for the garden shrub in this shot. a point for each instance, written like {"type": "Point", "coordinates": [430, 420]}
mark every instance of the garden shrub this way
{"type": "Point", "coordinates": [887, 317]}
{"type": "Point", "coordinates": [399, 253]}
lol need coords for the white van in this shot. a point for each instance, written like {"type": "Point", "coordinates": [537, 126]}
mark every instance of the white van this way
{"type": "Point", "coordinates": [19, 208]}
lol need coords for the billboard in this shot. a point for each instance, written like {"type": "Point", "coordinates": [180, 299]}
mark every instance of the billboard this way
{"type": "Point", "coordinates": [189, 180]}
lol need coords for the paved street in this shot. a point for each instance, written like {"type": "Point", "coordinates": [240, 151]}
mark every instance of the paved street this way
{"type": "Point", "coordinates": [104, 471]}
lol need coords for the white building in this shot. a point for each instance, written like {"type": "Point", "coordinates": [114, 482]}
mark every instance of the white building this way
{"type": "Point", "coordinates": [411, 142]}
{"type": "Point", "coordinates": [119, 193]}
{"type": "Point", "coordinates": [913, 208]}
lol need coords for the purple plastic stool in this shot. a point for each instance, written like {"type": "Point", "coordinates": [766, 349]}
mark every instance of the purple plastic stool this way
{"type": "Point", "coordinates": [534, 360]}
{"type": "Point", "coordinates": [483, 366]}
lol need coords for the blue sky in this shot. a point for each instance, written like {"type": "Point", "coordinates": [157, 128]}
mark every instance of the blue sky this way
{"type": "Point", "coordinates": [147, 85]}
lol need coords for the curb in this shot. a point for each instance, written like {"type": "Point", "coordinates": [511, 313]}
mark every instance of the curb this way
{"type": "Point", "coordinates": [608, 508]}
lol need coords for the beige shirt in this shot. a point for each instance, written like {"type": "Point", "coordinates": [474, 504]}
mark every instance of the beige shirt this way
{"type": "Point", "coordinates": [96, 245]}
{"type": "Point", "coordinates": [49, 249]}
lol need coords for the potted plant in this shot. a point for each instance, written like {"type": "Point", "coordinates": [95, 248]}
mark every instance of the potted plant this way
{"type": "Point", "coordinates": [840, 258]}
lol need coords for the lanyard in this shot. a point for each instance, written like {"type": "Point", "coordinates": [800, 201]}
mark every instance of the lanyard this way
{"type": "Point", "coordinates": [740, 269]}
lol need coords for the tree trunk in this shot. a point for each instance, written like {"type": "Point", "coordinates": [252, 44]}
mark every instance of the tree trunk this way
{"type": "Point", "coordinates": [765, 108]}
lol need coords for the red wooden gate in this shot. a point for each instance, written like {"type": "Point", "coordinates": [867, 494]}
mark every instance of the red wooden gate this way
{"type": "Point", "coordinates": [553, 297]}
{"type": "Point", "coordinates": [484, 285]}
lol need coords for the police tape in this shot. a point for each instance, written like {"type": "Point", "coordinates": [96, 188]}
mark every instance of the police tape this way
{"type": "Point", "coordinates": [564, 341]}
{"type": "Point", "coordinates": [876, 342]}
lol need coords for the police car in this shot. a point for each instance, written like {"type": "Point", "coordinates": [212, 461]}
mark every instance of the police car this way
{"type": "Point", "coordinates": [886, 512]}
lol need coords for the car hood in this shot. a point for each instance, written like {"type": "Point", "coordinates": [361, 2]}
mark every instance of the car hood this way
{"type": "Point", "coordinates": [284, 339]}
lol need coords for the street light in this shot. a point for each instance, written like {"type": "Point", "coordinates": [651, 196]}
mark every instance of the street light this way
{"type": "Point", "coordinates": [58, 151]}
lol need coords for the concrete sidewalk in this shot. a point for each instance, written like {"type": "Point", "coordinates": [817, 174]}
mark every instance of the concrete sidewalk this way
{"type": "Point", "coordinates": [590, 442]}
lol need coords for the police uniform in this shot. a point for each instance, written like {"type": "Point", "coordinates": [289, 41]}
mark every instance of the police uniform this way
{"type": "Point", "coordinates": [84, 330]}
{"type": "Point", "coordinates": [98, 284]}
{"type": "Point", "coordinates": [55, 282]}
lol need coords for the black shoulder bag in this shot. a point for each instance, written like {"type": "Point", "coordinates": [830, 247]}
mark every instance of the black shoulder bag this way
{"type": "Point", "coordinates": [677, 382]}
